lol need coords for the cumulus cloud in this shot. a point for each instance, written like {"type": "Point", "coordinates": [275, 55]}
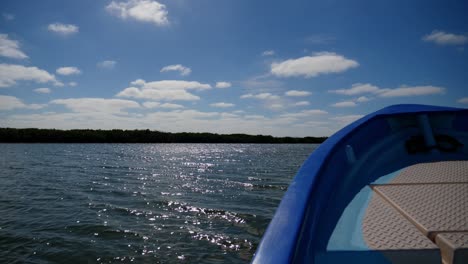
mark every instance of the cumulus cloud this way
{"type": "Point", "coordinates": [296, 93]}
{"type": "Point", "coordinates": [138, 82]}
{"type": "Point", "coordinates": [10, 74]}
{"type": "Point", "coordinates": [151, 104]}
{"type": "Point", "coordinates": [10, 48]}
{"type": "Point", "coordinates": [357, 88]}
{"type": "Point", "coordinates": [107, 64]}
{"type": "Point", "coordinates": [222, 105]}
{"type": "Point", "coordinates": [68, 71]}
{"type": "Point", "coordinates": [302, 103]}
{"type": "Point", "coordinates": [344, 104]}
{"type": "Point", "coordinates": [411, 91]}
{"type": "Point", "coordinates": [184, 71]}
{"type": "Point", "coordinates": [444, 38]}
{"type": "Point", "coordinates": [363, 99]}
{"type": "Point", "coordinates": [171, 106]}
{"type": "Point", "coordinates": [275, 106]}
{"type": "Point", "coordinates": [42, 90]}
{"type": "Point", "coordinates": [96, 105]}
{"type": "Point", "coordinates": [260, 82]}
{"type": "Point", "coordinates": [388, 92]}
{"type": "Point", "coordinates": [63, 29]}
{"type": "Point", "coordinates": [155, 94]}
{"type": "Point", "coordinates": [223, 84]}
{"type": "Point", "coordinates": [346, 119]}
{"type": "Point", "coordinates": [311, 66]}
{"type": "Point", "coordinates": [72, 84]}
{"type": "Point", "coordinates": [11, 102]}
{"type": "Point", "coordinates": [304, 113]}
{"type": "Point", "coordinates": [172, 84]}
{"type": "Point", "coordinates": [268, 53]}
{"type": "Point", "coordinates": [164, 105]}
{"type": "Point", "coordinates": [463, 100]}
{"type": "Point", "coordinates": [260, 96]}
{"type": "Point", "coordinates": [163, 90]}
{"type": "Point", "coordinates": [140, 10]}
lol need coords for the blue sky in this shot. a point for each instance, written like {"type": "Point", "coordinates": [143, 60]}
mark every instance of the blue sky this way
{"type": "Point", "coordinates": [296, 68]}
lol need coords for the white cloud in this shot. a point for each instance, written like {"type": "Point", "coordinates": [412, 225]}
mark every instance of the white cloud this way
{"type": "Point", "coordinates": [297, 93]}
{"type": "Point", "coordinates": [443, 38]}
{"type": "Point", "coordinates": [223, 84]}
{"type": "Point", "coordinates": [260, 82]}
{"type": "Point", "coordinates": [140, 10]}
{"type": "Point", "coordinates": [10, 74]}
{"type": "Point", "coordinates": [275, 106]}
{"type": "Point", "coordinates": [10, 48]}
{"type": "Point", "coordinates": [72, 84]}
{"type": "Point", "coordinates": [311, 66]}
{"type": "Point", "coordinates": [171, 106]}
{"type": "Point", "coordinates": [268, 53]}
{"type": "Point", "coordinates": [42, 90]}
{"type": "Point", "coordinates": [260, 96]}
{"type": "Point", "coordinates": [11, 102]}
{"type": "Point", "coordinates": [164, 105]}
{"type": "Point", "coordinates": [63, 29]}
{"type": "Point", "coordinates": [151, 104]}
{"type": "Point", "coordinates": [304, 113]}
{"type": "Point", "coordinates": [107, 64]}
{"type": "Point", "coordinates": [184, 71]}
{"type": "Point", "coordinates": [68, 71]}
{"type": "Point", "coordinates": [171, 84]}
{"type": "Point", "coordinates": [344, 104]}
{"type": "Point", "coordinates": [346, 119]}
{"type": "Point", "coordinates": [59, 84]}
{"type": "Point", "coordinates": [411, 91]}
{"type": "Point", "coordinates": [164, 90]}
{"type": "Point", "coordinates": [138, 82]}
{"type": "Point", "coordinates": [358, 88]}
{"type": "Point", "coordinates": [96, 105]}
{"type": "Point", "coordinates": [463, 100]}
{"type": "Point", "coordinates": [222, 105]}
{"type": "Point", "coordinates": [302, 103]}
{"type": "Point", "coordinates": [155, 94]}
{"type": "Point", "coordinates": [363, 99]}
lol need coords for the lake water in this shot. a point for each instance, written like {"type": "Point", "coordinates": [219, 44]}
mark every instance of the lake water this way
{"type": "Point", "coordinates": [140, 203]}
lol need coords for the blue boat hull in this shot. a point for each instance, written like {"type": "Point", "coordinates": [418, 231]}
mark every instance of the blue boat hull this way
{"type": "Point", "coordinates": [378, 144]}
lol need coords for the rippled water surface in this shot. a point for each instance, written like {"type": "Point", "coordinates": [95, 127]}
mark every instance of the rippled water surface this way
{"type": "Point", "coordinates": [146, 203]}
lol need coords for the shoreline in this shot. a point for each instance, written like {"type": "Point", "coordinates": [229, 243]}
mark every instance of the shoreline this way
{"type": "Point", "coordinates": [91, 136]}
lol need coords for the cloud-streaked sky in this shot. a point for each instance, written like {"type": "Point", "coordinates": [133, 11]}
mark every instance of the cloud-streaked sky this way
{"type": "Point", "coordinates": [298, 68]}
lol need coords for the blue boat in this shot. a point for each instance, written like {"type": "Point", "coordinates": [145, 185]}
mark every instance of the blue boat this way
{"type": "Point", "coordinates": [392, 187]}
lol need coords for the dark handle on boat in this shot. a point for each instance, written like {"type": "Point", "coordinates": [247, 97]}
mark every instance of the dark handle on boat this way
{"type": "Point", "coordinates": [444, 143]}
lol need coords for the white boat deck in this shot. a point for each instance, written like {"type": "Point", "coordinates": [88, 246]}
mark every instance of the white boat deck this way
{"type": "Point", "coordinates": [422, 208]}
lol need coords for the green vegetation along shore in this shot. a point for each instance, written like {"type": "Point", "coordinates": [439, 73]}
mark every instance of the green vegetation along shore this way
{"type": "Point", "coordinates": [34, 135]}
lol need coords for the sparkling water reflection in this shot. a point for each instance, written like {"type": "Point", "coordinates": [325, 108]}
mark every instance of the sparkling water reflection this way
{"type": "Point", "coordinates": [143, 203]}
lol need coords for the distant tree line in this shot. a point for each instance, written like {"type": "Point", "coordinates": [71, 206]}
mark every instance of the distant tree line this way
{"type": "Point", "coordinates": [34, 135]}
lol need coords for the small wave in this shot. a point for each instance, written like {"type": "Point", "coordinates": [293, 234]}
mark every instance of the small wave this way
{"type": "Point", "coordinates": [223, 241]}
{"type": "Point", "coordinates": [270, 187]}
{"type": "Point", "coordinates": [207, 212]}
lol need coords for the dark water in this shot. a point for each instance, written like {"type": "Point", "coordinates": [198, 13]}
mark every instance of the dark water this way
{"type": "Point", "coordinates": [153, 203]}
